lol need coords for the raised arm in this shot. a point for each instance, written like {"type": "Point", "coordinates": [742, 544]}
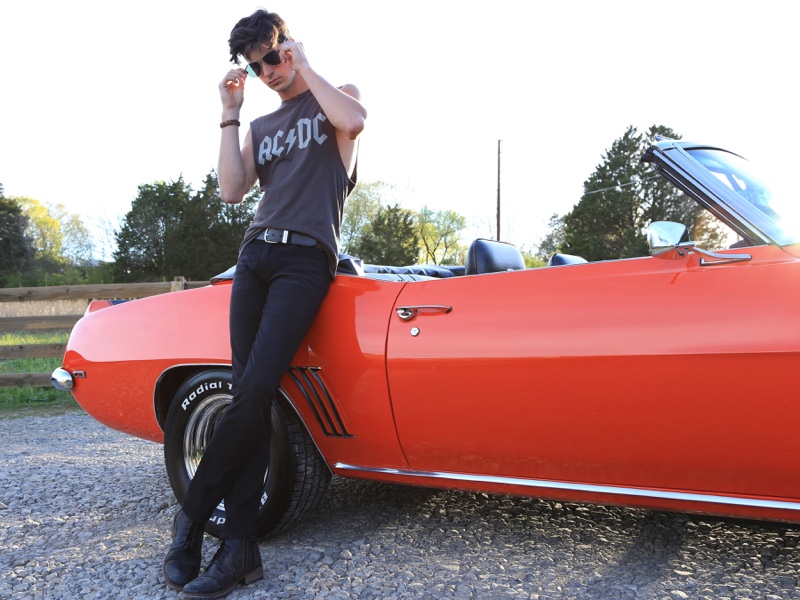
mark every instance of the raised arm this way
{"type": "Point", "coordinates": [236, 169]}
{"type": "Point", "coordinates": [342, 106]}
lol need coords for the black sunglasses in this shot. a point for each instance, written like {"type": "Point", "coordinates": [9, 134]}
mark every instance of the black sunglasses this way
{"type": "Point", "coordinates": [272, 58]}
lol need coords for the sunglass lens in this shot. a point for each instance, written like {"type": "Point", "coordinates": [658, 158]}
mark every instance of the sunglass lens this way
{"type": "Point", "coordinates": [272, 58]}
{"type": "Point", "coordinates": [253, 69]}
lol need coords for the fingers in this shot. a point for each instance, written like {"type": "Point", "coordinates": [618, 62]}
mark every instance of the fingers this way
{"type": "Point", "coordinates": [287, 48]}
{"type": "Point", "coordinates": [235, 78]}
{"type": "Point", "coordinates": [231, 88]}
{"type": "Point", "coordinates": [293, 53]}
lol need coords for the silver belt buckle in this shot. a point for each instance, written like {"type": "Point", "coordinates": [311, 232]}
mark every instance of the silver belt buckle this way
{"type": "Point", "coordinates": [284, 239]}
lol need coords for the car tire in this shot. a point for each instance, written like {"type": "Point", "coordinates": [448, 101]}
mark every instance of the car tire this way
{"type": "Point", "coordinates": [296, 478]}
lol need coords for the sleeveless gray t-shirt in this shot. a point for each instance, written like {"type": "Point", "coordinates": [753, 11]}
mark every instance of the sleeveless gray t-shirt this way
{"type": "Point", "coordinates": [301, 174]}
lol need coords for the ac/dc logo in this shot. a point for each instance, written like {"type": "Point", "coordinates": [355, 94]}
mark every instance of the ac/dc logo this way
{"type": "Point", "coordinates": [300, 135]}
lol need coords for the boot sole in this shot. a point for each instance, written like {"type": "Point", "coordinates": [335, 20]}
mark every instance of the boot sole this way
{"type": "Point", "coordinates": [254, 575]}
{"type": "Point", "coordinates": [249, 577]}
{"type": "Point", "coordinates": [170, 583]}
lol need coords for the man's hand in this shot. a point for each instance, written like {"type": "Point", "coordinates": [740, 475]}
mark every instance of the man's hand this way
{"type": "Point", "coordinates": [231, 91]}
{"type": "Point", "coordinates": [294, 54]}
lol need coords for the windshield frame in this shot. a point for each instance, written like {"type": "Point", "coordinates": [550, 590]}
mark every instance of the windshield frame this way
{"type": "Point", "coordinates": [682, 164]}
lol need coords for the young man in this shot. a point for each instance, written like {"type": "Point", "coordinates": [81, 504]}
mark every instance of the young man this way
{"type": "Point", "coordinates": [304, 156]}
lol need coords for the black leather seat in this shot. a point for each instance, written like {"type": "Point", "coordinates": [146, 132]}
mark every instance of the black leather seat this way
{"type": "Point", "coordinates": [565, 259]}
{"type": "Point", "coordinates": [491, 256]}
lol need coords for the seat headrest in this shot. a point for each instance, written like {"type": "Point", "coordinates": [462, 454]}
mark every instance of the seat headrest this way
{"type": "Point", "coordinates": [565, 259]}
{"type": "Point", "coordinates": [491, 256]}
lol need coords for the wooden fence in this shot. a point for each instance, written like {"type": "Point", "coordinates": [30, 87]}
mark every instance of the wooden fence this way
{"type": "Point", "coordinates": [112, 291]}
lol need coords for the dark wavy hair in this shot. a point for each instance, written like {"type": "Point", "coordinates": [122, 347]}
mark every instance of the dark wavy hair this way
{"type": "Point", "coordinates": [262, 27]}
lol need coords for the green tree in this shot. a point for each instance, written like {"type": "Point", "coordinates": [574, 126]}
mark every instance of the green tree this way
{"type": "Point", "coordinates": [391, 238]}
{"type": "Point", "coordinates": [440, 235]}
{"type": "Point", "coordinates": [16, 247]}
{"type": "Point", "coordinates": [171, 230]}
{"type": "Point", "coordinates": [76, 241]}
{"type": "Point", "coordinates": [47, 265]}
{"type": "Point", "coordinates": [208, 235]}
{"type": "Point", "coordinates": [360, 210]}
{"type": "Point", "coordinates": [44, 229]}
{"type": "Point", "coordinates": [620, 199]}
{"type": "Point", "coordinates": [58, 247]}
{"type": "Point", "coordinates": [143, 242]}
{"type": "Point", "coordinates": [553, 239]}
{"type": "Point", "coordinates": [710, 232]}
{"type": "Point", "coordinates": [532, 259]}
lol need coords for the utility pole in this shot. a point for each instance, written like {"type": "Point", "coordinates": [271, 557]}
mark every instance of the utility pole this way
{"type": "Point", "coordinates": [498, 189]}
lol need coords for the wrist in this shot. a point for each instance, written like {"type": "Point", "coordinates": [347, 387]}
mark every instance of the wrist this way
{"type": "Point", "coordinates": [228, 115]}
{"type": "Point", "coordinates": [303, 68]}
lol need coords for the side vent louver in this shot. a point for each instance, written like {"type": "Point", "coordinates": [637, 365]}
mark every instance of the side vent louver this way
{"type": "Point", "coordinates": [312, 387]}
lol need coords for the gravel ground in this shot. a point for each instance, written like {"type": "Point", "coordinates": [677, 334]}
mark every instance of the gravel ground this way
{"type": "Point", "coordinates": [85, 513]}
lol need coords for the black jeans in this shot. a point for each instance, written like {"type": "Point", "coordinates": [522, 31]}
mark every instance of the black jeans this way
{"type": "Point", "coordinates": [277, 291]}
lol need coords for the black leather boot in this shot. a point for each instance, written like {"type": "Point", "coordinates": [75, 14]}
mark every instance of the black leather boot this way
{"type": "Point", "coordinates": [236, 561]}
{"type": "Point", "coordinates": [182, 564]}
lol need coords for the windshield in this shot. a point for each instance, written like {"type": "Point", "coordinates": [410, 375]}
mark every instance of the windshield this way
{"type": "Point", "coordinates": [766, 206]}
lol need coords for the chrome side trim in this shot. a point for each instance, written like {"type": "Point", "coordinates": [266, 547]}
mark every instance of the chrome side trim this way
{"type": "Point", "coordinates": [580, 487]}
{"type": "Point", "coordinates": [319, 399]}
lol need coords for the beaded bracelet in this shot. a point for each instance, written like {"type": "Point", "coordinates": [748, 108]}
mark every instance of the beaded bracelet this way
{"type": "Point", "coordinates": [231, 122]}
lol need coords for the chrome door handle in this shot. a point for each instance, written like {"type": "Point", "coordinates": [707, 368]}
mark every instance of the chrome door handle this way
{"type": "Point", "coordinates": [408, 313]}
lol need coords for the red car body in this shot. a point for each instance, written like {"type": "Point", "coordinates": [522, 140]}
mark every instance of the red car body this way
{"type": "Point", "coordinates": [667, 382]}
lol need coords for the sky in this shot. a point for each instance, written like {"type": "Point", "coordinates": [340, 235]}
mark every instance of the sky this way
{"type": "Point", "coordinates": [98, 98]}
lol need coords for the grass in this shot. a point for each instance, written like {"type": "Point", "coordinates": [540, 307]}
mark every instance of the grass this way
{"type": "Point", "coordinates": [56, 403]}
{"type": "Point", "coordinates": [30, 400]}
{"type": "Point", "coordinates": [23, 401]}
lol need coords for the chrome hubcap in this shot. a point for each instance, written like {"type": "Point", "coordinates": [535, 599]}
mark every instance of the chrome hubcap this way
{"type": "Point", "coordinates": [199, 429]}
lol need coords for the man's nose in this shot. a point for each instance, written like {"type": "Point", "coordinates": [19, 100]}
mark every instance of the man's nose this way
{"type": "Point", "coordinates": [266, 69]}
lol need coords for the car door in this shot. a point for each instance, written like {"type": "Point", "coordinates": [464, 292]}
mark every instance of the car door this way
{"type": "Point", "coordinates": [646, 372]}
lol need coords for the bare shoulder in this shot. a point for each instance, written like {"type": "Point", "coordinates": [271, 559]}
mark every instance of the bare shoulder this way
{"type": "Point", "coordinates": [351, 90]}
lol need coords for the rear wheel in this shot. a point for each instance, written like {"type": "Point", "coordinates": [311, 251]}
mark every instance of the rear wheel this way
{"type": "Point", "coordinates": [296, 478]}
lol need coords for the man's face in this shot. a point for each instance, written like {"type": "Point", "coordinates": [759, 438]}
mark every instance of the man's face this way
{"type": "Point", "coordinates": [266, 63]}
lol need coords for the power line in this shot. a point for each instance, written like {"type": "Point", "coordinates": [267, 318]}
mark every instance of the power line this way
{"type": "Point", "coordinates": [621, 185]}
{"type": "Point", "coordinates": [498, 188]}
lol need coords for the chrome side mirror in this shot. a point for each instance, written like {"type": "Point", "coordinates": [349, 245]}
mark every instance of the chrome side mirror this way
{"type": "Point", "coordinates": [667, 239]}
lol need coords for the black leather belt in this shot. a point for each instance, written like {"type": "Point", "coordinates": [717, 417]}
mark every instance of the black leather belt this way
{"type": "Point", "coordinates": [284, 236]}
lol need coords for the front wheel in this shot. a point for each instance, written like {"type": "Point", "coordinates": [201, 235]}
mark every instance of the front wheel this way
{"type": "Point", "coordinates": [296, 478]}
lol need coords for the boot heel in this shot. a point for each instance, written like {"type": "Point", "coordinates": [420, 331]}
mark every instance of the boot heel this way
{"type": "Point", "coordinates": [254, 575]}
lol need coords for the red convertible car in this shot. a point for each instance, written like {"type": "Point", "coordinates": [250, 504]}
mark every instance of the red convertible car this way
{"type": "Point", "coordinates": [669, 381]}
